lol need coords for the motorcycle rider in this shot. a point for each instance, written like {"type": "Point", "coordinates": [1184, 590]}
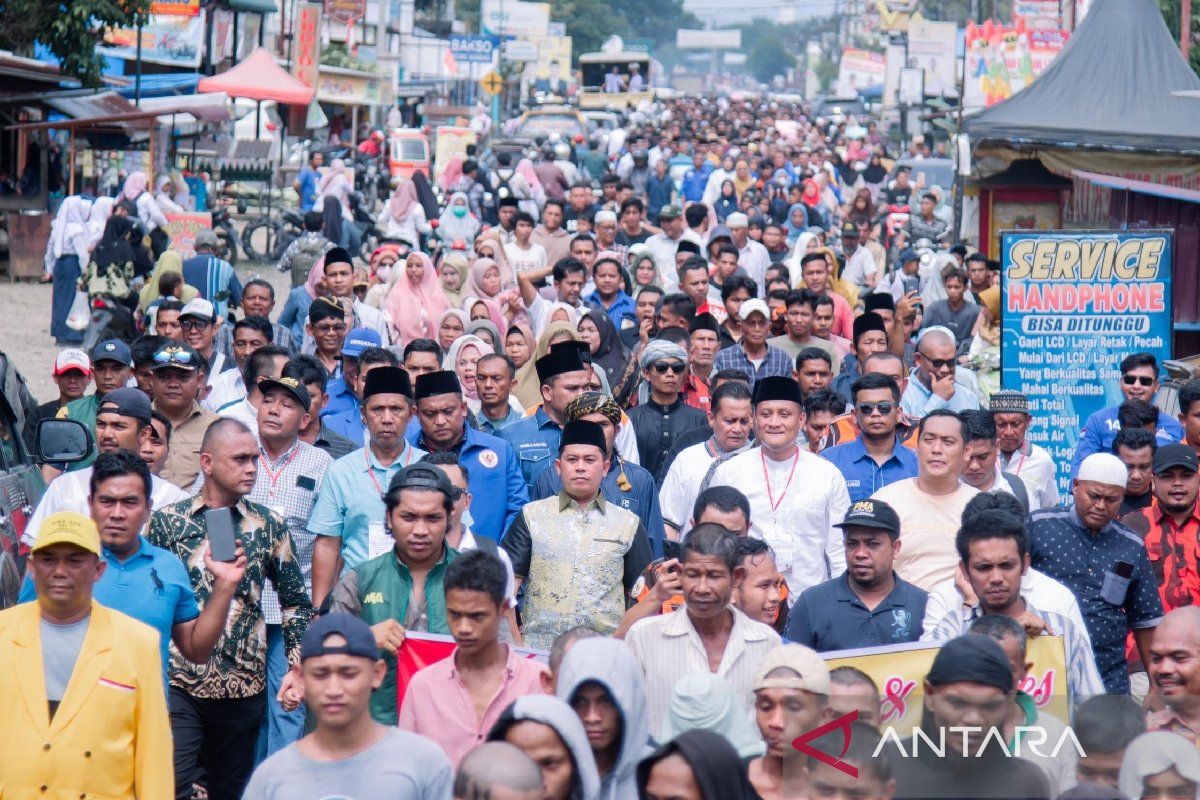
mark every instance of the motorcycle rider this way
{"type": "Point", "coordinates": [554, 182]}
{"type": "Point", "coordinates": [925, 225]}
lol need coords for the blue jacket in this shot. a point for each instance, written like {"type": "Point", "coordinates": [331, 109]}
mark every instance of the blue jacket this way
{"type": "Point", "coordinates": [659, 192]}
{"type": "Point", "coordinates": [492, 473]}
{"type": "Point", "coordinates": [347, 422]}
{"type": "Point", "coordinates": [641, 499]}
{"type": "Point", "coordinates": [1101, 428]}
{"type": "Point", "coordinates": [535, 441]}
{"type": "Point", "coordinates": [295, 313]}
{"type": "Point", "coordinates": [623, 306]}
{"type": "Point", "coordinates": [694, 183]}
{"type": "Point", "coordinates": [340, 398]}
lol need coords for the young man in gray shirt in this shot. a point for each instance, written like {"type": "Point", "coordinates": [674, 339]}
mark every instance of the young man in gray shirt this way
{"type": "Point", "coordinates": [348, 755]}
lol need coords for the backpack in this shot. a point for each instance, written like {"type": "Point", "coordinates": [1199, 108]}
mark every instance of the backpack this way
{"type": "Point", "coordinates": [1018, 489]}
{"type": "Point", "coordinates": [308, 251]}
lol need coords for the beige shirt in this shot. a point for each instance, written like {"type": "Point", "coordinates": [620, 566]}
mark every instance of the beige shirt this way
{"type": "Point", "coordinates": [928, 526]}
{"type": "Point", "coordinates": [183, 459]}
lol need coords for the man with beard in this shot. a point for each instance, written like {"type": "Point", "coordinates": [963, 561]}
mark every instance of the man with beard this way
{"type": "Point", "coordinates": [868, 605]}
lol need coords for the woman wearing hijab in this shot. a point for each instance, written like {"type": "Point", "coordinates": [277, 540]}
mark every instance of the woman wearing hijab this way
{"type": "Point", "coordinates": [404, 218]}
{"type": "Point", "coordinates": [519, 343]}
{"type": "Point", "coordinates": [597, 329]}
{"type": "Point", "coordinates": [696, 761]}
{"type": "Point", "coordinates": [415, 299]}
{"type": "Point", "coordinates": [452, 173]}
{"type": "Point", "coordinates": [488, 332]}
{"type": "Point", "coordinates": [861, 207]}
{"type": "Point", "coordinates": [295, 311]}
{"type": "Point", "coordinates": [483, 308]}
{"type": "Point", "coordinates": [743, 178]}
{"type": "Point", "coordinates": [66, 255]}
{"type": "Point", "coordinates": [727, 201]}
{"type": "Point", "coordinates": [164, 195]}
{"type": "Point", "coordinates": [537, 198]}
{"type": "Point", "coordinates": [332, 227]}
{"type": "Point", "coordinates": [461, 357]}
{"type": "Point", "coordinates": [456, 222]}
{"type": "Point", "coordinates": [102, 208]}
{"type": "Point", "coordinates": [704, 701]}
{"type": "Point", "coordinates": [842, 287]}
{"type": "Point", "coordinates": [451, 324]}
{"type": "Point", "coordinates": [169, 261]}
{"type": "Point", "coordinates": [643, 271]}
{"type": "Point", "coordinates": [805, 243]}
{"type": "Point", "coordinates": [486, 279]}
{"type": "Point", "coordinates": [337, 185]}
{"type": "Point", "coordinates": [1160, 764]}
{"type": "Point", "coordinates": [796, 223]}
{"type": "Point", "coordinates": [528, 388]}
{"type": "Point", "coordinates": [874, 176]}
{"type": "Point", "coordinates": [452, 276]}
{"type": "Point", "coordinates": [135, 197]}
{"type": "Point", "coordinates": [811, 198]}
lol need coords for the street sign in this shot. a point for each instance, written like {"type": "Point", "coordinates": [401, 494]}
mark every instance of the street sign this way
{"type": "Point", "coordinates": [492, 83]}
{"type": "Point", "coordinates": [472, 49]}
{"type": "Point", "coordinates": [519, 50]}
{"type": "Point", "coordinates": [345, 11]}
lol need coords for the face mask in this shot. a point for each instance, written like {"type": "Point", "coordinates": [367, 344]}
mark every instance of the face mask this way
{"type": "Point", "coordinates": [459, 211]}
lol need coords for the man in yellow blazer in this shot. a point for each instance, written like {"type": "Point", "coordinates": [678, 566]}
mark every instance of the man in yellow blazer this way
{"type": "Point", "coordinates": [81, 688]}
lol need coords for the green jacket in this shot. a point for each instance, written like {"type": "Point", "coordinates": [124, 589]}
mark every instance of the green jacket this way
{"type": "Point", "coordinates": [381, 588]}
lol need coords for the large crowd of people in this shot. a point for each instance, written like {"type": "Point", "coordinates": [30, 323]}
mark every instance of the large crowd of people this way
{"type": "Point", "coordinates": [642, 456]}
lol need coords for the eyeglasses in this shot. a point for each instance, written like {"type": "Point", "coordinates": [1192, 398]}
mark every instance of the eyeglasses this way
{"type": "Point", "coordinates": [661, 367]}
{"type": "Point", "coordinates": [1141, 380]}
{"type": "Point", "coordinates": [194, 324]}
{"type": "Point", "coordinates": [336, 327]}
{"type": "Point", "coordinates": [938, 363]}
{"type": "Point", "coordinates": [869, 409]}
{"type": "Point", "coordinates": [174, 355]}
{"type": "Point", "coordinates": [456, 493]}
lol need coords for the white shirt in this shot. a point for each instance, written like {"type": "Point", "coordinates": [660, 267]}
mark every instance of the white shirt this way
{"type": "Point", "coordinates": [410, 229]}
{"type": "Point", "coordinates": [858, 267]}
{"type": "Point", "coordinates": [539, 313]}
{"type": "Point", "coordinates": [1033, 464]}
{"type": "Point", "coordinates": [668, 647]}
{"type": "Point", "coordinates": [1038, 588]}
{"type": "Point", "coordinates": [367, 317]}
{"type": "Point", "coordinates": [242, 410]}
{"type": "Point", "coordinates": [228, 387]}
{"type": "Point", "coordinates": [662, 248]}
{"type": "Point", "coordinates": [755, 259]}
{"type": "Point", "coordinates": [69, 492]}
{"type": "Point", "coordinates": [808, 549]}
{"type": "Point", "coordinates": [523, 259]}
{"type": "Point", "coordinates": [218, 367]}
{"type": "Point", "coordinates": [682, 485]}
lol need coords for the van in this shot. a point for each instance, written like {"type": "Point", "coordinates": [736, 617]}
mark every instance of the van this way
{"type": "Point", "coordinates": [408, 153]}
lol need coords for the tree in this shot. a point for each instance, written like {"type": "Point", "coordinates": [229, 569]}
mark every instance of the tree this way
{"type": "Point", "coordinates": [589, 23]}
{"type": "Point", "coordinates": [769, 58]}
{"type": "Point", "coordinates": [1171, 13]}
{"type": "Point", "coordinates": [71, 31]}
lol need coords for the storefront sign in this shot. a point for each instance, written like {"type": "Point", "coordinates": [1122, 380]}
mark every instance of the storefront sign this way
{"type": "Point", "coordinates": [1074, 304]}
{"type": "Point", "coordinates": [166, 39]}
{"type": "Point", "coordinates": [348, 90]}
{"type": "Point", "coordinates": [858, 70]}
{"type": "Point", "coordinates": [472, 49]}
{"type": "Point", "coordinates": [345, 11]}
{"type": "Point", "coordinates": [182, 228]}
{"type": "Point", "coordinates": [514, 18]}
{"type": "Point", "coordinates": [180, 8]}
{"type": "Point", "coordinates": [308, 43]}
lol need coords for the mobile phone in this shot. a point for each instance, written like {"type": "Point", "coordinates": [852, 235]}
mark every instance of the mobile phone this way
{"type": "Point", "coordinates": [222, 539]}
{"type": "Point", "coordinates": [1123, 569]}
{"type": "Point", "coordinates": [911, 283]}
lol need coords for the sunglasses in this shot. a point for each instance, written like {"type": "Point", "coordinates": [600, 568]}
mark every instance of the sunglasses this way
{"type": "Point", "coordinates": [661, 367]}
{"type": "Point", "coordinates": [174, 355]}
{"type": "Point", "coordinates": [938, 363]}
{"type": "Point", "coordinates": [1141, 380]}
{"type": "Point", "coordinates": [194, 324]}
{"type": "Point", "coordinates": [869, 409]}
{"type": "Point", "coordinates": [456, 493]}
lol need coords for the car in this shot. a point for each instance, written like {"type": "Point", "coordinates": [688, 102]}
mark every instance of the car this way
{"type": "Point", "coordinates": [602, 121]}
{"type": "Point", "coordinates": [838, 108]}
{"type": "Point", "coordinates": [566, 123]}
{"type": "Point", "coordinates": [935, 171]}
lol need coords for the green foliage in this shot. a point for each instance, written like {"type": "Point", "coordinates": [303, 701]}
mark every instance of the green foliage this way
{"type": "Point", "coordinates": [71, 30]}
{"type": "Point", "coordinates": [769, 58]}
{"type": "Point", "coordinates": [336, 55]}
{"type": "Point", "coordinates": [590, 22]}
{"type": "Point", "coordinates": [1171, 12]}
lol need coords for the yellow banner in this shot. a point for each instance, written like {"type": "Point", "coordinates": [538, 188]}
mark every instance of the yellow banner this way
{"type": "Point", "coordinates": [899, 672]}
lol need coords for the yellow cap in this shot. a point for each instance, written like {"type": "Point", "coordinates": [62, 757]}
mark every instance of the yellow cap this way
{"type": "Point", "coordinates": [68, 527]}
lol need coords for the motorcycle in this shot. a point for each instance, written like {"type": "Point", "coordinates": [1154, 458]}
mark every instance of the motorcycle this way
{"type": "Point", "coordinates": [368, 230]}
{"type": "Point", "coordinates": [111, 319]}
{"type": "Point", "coordinates": [227, 238]}
{"type": "Point", "coordinates": [266, 238]}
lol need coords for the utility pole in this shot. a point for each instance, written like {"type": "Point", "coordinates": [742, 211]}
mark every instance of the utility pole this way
{"type": "Point", "coordinates": [1185, 29]}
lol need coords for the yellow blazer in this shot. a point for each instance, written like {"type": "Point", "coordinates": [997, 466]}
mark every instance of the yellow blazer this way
{"type": "Point", "coordinates": [110, 738]}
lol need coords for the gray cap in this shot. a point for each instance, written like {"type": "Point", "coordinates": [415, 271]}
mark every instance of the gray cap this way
{"type": "Point", "coordinates": [206, 238]}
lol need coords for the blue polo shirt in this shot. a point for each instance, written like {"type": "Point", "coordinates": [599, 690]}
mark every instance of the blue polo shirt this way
{"type": "Point", "coordinates": [863, 476]}
{"type": "Point", "coordinates": [349, 423]}
{"type": "Point", "coordinates": [535, 441]}
{"type": "Point", "coordinates": [830, 616]}
{"type": "Point", "coordinates": [1061, 546]}
{"type": "Point", "coordinates": [340, 398]}
{"type": "Point", "coordinates": [152, 586]}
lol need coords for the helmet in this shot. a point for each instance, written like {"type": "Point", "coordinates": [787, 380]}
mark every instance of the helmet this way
{"type": "Point", "coordinates": [377, 135]}
{"type": "Point", "coordinates": [562, 151]}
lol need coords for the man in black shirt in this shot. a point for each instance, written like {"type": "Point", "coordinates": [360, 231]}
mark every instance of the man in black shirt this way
{"type": "Point", "coordinates": [1135, 447]}
{"type": "Point", "coordinates": [663, 416]}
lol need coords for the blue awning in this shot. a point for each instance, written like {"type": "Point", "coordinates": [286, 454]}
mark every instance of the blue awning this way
{"type": "Point", "coordinates": [161, 84]}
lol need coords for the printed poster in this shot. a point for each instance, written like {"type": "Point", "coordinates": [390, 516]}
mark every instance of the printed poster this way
{"type": "Point", "coordinates": [166, 39]}
{"type": "Point", "coordinates": [1074, 303]}
{"type": "Point", "coordinates": [1004, 59]}
{"type": "Point", "coordinates": [859, 70]}
{"type": "Point", "coordinates": [183, 227]}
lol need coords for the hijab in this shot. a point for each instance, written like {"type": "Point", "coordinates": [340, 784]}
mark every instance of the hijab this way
{"type": "Point", "coordinates": [452, 173]}
{"type": "Point", "coordinates": [874, 173]}
{"type": "Point", "coordinates": [507, 278]}
{"type": "Point", "coordinates": [611, 355]}
{"type": "Point", "coordinates": [474, 284]}
{"type": "Point", "coordinates": [315, 276]}
{"type": "Point", "coordinates": [525, 170]}
{"type": "Point", "coordinates": [169, 261]}
{"type": "Point", "coordinates": [337, 169]}
{"type": "Point", "coordinates": [450, 362]}
{"type": "Point", "coordinates": [331, 219]}
{"type": "Point", "coordinates": [493, 308]}
{"type": "Point", "coordinates": [811, 196]}
{"type": "Point", "coordinates": [458, 263]}
{"type": "Point", "coordinates": [403, 200]}
{"type": "Point", "coordinates": [521, 327]}
{"type": "Point", "coordinates": [135, 184]}
{"type": "Point", "coordinates": [529, 388]}
{"type": "Point", "coordinates": [836, 284]}
{"type": "Point", "coordinates": [1155, 752]}
{"type": "Point", "coordinates": [413, 307]}
{"type": "Point", "coordinates": [794, 231]}
{"type": "Point", "coordinates": [719, 772]}
{"type": "Point", "coordinates": [484, 325]}
{"type": "Point", "coordinates": [98, 217]}
{"type": "Point", "coordinates": [458, 314]}
{"type": "Point", "coordinates": [69, 232]}
{"type": "Point", "coordinates": [451, 227]}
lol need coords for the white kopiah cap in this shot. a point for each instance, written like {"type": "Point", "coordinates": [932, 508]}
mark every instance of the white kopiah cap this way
{"type": "Point", "coordinates": [737, 220]}
{"type": "Point", "coordinates": [1104, 468]}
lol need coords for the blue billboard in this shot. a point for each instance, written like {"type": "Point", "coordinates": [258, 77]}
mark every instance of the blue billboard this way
{"type": "Point", "coordinates": [1074, 303]}
{"type": "Point", "coordinates": [473, 49]}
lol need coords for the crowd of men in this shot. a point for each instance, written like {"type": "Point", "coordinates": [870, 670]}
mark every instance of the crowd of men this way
{"type": "Point", "coordinates": [639, 561]}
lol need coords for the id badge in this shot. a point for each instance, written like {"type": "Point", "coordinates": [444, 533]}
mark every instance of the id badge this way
{"type": "Point", "coordinates": [781, 542]}
{"type": "Point", "coordinates": [379, 541]}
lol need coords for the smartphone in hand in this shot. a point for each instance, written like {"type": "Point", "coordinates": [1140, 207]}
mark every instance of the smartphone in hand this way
{"type": "Point", "coordinates": [222, 539]}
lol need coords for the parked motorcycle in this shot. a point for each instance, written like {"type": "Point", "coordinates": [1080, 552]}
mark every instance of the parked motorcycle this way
{"type": "Point", "coordinates": [266, 238]}
{"type": "Point", "coordinates": [227, 238]}
{"type": "Point", "coordinates": [111, 319]}
{"type": "Point", "coordinates": [364, 220]}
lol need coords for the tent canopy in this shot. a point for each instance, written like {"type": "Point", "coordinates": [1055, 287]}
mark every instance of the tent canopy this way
{"type": "Point", "coordinates": [1111, 88]}
{"type": "Point", "coordinates": [259, 78]}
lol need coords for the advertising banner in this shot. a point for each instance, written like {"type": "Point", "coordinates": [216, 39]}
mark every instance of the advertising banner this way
{"type": "Point", "coordinates": [554, 57]}
{"type": "Point", "coordinates": [308, 44]}
{"type": "Point", "coordinates": [182, 228]}
{"type": "Point", "coordinates": [472, 49]}
{"type": "Point", "coordinates": [182, 8]}
{"type": "Point", "coordinates": [931, 48]}
{"type": "Point", "coordinates": [514, 18]}
{"type": "Point", "coordinates": [345, 11]}
{"type": "Point", "coordinates": [858, 70]}
{"type": "Point", "coordinates": [1074, 303]}
{"type": "Point", "coordinates": [899, 672]}
{"type": "Point", "coordinates": [170, 39]}
{"type": "Point", "coordinates": [1004, 59]}
{"type": "Point", "coordinates": [422, 649]}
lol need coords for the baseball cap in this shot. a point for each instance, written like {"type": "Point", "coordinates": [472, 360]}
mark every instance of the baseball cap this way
{"type": "Point", "coordinates": [751, 306]}
{"type": "Point", "coordinates": [126, 402]}
{"type": "Point", "coordinates": [1175, 455]}
{"type": "Point", "coordinates": [68, 527]}
{"type": "Point", "coordinates": [422, 476]}
{"type": "Point", "coordinates": [908, 254]}
{"type": "Point", "coordinates": [206, 238]}
{"type": "Point", "coordinates": [360, 339]}
{"type": "Point", "coordinates": [199, 307]}
{"type": "Point", "coordinates": [871, 514]}
{"type": "Point", "coordinates": [849, 229]}
{"type": "Point", "coordinates": [811, 671]}
{"type": "Point", "coordinates": [177, 356]}
{"type": "Point", "coordinates": [112, 350]}
{"type": "Point", "coordinates": [670, 211]}
{"type": "Point", "coordinates": [290, 385]}
{"type": "Point", "coordinates": [72, 358]}
{"type": "Point", "coordinates": [359, 641]}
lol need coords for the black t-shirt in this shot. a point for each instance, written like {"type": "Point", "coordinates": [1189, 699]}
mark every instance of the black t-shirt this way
{"type": "Point", "coordinates": [1136, 502]}
{"type": "Point", "coordinates": [897, 196]}
{"type": "Point", "coordinates": [625, 240]}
